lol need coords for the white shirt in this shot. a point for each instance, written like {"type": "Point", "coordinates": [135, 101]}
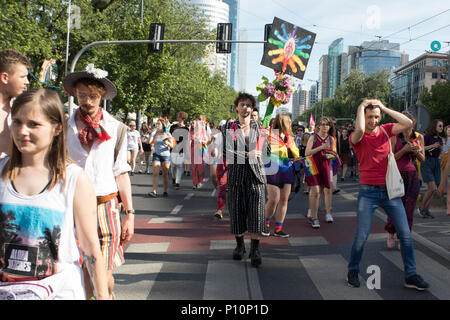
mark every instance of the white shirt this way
{"type": "Point", "coordinates": [133, 139]}
{"type": "Point", "coordinates": [446, 146]}
{"type": "Point", "coordinates": [99, 162]}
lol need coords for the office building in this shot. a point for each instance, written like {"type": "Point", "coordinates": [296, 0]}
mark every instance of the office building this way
{"type": "Point", "coordinates": [323, 78]}
{"type": "Point", "coordinates": [334, 66]}
{"type": "Point", "coordinates": [375, 56]}
{"type": "Point", "coordinates": [234, 19]}
{"type": "Point", "coordinates": [409, 80]}
{"type": "Point", "coordinates": [313, 95]}
{"type": "Point", "coordinates": [217, 11]}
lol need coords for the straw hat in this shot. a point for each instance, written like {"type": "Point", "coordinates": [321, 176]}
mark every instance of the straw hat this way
{"type": "Point", "coordinates": [90, 73]}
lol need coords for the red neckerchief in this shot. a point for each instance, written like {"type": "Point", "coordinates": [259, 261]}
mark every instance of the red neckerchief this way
{"type": "Point", "coordinates": [93, 129]}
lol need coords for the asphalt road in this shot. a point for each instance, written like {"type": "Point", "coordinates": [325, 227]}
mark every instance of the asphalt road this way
{"type": "Point", "coordinates": [180, 252]}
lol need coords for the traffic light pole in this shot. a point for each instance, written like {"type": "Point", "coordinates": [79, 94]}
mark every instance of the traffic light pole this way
{"type": "Point", "coordinates": [104, 43]}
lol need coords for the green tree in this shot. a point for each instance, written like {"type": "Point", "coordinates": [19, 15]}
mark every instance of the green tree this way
{"type": "Point", "coordinates": [356, 87]}
{"type": "Point", "coordinates": [437, 101]}
{"type": "Point", "coordinates": [157, 84]}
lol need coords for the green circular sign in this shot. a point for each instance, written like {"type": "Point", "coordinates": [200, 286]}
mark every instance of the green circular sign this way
{"type": "Point", "coordinates": [435, 46]}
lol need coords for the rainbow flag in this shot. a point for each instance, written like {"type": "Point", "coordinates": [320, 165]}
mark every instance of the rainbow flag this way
{"type": "Point", "coordinates": [312, 123]}
{"type": "Point", "coordinates": [415, 141]}
{"type": "Point", "coordinates": [310, 166]}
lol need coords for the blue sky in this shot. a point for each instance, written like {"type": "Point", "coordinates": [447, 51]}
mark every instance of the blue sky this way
{"type": "Point", "coordinates": [356, 22]}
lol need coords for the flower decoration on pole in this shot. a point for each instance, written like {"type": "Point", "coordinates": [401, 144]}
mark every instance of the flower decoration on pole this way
{"type": "Point", "coordinates": [279, 92]}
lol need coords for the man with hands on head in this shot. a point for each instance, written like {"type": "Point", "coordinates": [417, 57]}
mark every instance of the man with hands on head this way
{"type": "Point", "coordinates": [371, 145]}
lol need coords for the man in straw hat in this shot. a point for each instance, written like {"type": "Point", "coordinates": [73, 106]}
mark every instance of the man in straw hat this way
{"type": "Point", "coordinates": [95, 141]}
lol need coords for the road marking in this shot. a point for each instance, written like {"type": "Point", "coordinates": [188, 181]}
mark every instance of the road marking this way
{"type": "Point", "coordinates": [231, 280]}
{"type": "Point", "coordinates": [433, 272]}
{"type": "Point", "coordinates": [225, 244]}
{"type": "Point", "coordinates": [189, 196]}
{"type": "Point", "coordinates": [176, 209]}
{"type": "Point", "coordinates": [141, 278]}
{"type": "Point", "coordinates": [165, 219]}
{"type": "Point", "coordinates": [307, 241]}
{"type": "Point", "coordinates": [417, 237]}
{"type": "Point", "coordinates": [331, 281]}
{"type": "Point", "coordinates": [148, 247]}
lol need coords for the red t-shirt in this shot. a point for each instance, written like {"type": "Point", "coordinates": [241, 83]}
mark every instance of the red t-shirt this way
{"type": "Point", "coordinates": [372, 153]}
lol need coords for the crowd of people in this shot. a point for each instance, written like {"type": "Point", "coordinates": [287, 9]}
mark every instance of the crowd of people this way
{"type": "Point", "coordinates": [63, 179]}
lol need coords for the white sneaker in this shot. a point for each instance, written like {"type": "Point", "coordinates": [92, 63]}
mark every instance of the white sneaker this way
{"type": "Point", "coordinates": [315, 224]}
{"type": "Point", "coordinates": [329, 218]}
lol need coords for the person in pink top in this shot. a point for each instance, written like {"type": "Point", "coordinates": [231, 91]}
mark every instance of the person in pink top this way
{"type": "Point", "coordinates": [316, 148]}
{"type": "Point", "coordinates": [408, 146]}
{"type": "Point", "coordinates": [370, 141]}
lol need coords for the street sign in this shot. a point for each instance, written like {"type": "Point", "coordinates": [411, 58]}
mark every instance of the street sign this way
{"type": "Point", "coordinates": [435, 46]}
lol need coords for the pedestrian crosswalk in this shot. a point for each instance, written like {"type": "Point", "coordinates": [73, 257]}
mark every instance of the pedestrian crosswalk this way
{"type": "Point", "coordinates": [328, 272]}
{"type": "Point", "coordinates": [435, 273]}
{"type": "Point", "coordinates": [227, 279]}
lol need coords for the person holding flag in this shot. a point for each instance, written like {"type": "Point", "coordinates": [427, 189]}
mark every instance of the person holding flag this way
{"type": "Point", "coordinates": [319, 152]}
{"type": "Point", "coordinates": [280, 173]}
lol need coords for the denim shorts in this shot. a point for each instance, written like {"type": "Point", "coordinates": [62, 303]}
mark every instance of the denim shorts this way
{"type": "Point", "coordinates": [159, 158]}
{"type": "Point", "coordinates": [431, 170]}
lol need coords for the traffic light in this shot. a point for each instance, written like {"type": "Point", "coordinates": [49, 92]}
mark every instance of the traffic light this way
{"type": "Point", "coordinates": [267, 29]}
{"type": "Point", "coordinates": [156, 33]}
{"type": "Point", "coordinates": [100, 4]}
{"type": "Point", "coordinates": [224, 33]}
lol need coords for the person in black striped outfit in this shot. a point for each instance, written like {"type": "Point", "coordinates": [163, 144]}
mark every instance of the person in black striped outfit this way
{"type": "Point", "coordinates": [244, 148]}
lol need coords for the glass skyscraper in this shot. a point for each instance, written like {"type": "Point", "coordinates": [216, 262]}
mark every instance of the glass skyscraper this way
{"type": "Point", "coordinates": [377, 56]}
{"type": "Point", "coordinates": [335, 50]}
{"type": "Point", "coordinates": [234, 19]}
{"type": "Point", "coordinates": [217, 11]}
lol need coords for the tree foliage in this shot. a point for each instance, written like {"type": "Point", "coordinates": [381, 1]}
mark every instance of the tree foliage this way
{"type": "Point", "coordinates": [158, 84]}
{"type": "Point", "coordinates": [437, 101]}
{"type": "Point", "coordinates": [356, 87]}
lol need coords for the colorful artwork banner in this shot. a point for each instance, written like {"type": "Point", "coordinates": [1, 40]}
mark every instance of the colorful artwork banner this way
{"type": "Point", "coordinates": [289, 48]}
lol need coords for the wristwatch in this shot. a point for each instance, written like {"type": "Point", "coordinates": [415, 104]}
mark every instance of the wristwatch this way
{"type": "Point", "coordinates": [131, 211]}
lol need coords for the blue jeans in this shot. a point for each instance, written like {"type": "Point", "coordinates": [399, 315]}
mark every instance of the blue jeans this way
{"type": "Point", "coordinates": [369, 198]}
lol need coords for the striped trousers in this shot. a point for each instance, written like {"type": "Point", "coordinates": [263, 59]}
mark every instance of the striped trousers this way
{"type": "Point", "coordinates": [109, 231]}
{"type": "Point", "coordinates": [245, 201]}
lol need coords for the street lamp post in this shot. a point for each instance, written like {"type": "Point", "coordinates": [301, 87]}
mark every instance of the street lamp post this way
{"type": "Point", "coordinates": [69, 11]}
{"type": "Point", "coordinates": [139, 112]}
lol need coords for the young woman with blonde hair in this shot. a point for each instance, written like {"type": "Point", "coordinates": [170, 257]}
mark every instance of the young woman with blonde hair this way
{"type": "Point", "coordinates": [51, 205]}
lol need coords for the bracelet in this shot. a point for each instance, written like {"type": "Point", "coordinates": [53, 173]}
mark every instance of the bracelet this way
{"type": "Point", "coordinates": [131, 211]}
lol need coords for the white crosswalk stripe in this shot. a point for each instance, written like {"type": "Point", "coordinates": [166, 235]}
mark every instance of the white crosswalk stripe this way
{"type": "Point", "coordinates": [307, 241]}
{"type": "Point", "coordinates": [176, 209]}
{"type": "Point", "coordinates": [431, 271]}
{"type": "Point", "coordinates": [231, 280]}
{"type": "Point", "coordinates": [141, 278]}
{"type": "Point", "coordinates": [165, 220]}
{"type": "Point", "coordinates": [148, 247]}
{"type": "Point", "coordinates": [328, 272]}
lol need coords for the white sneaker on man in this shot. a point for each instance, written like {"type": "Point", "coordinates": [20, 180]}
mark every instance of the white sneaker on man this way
{"type": "Point", "coordinates": [329, 218]}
